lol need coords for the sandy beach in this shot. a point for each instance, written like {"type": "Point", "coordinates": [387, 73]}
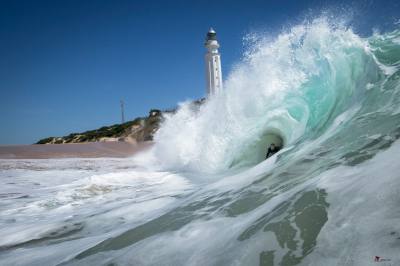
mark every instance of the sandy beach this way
{"type": "Point", "coordinates": [72, 150]}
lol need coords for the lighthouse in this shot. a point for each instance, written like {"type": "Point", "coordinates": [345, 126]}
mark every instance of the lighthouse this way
{"type": "Point", "coordinates": [213, 64]}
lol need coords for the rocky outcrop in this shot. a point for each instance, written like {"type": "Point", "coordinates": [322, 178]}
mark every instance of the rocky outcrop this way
{"type": "Point", "coordinates": [138, 130]}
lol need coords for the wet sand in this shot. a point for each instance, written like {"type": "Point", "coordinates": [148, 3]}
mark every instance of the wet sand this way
{"type": "Point", "coordinates": [72, 150]}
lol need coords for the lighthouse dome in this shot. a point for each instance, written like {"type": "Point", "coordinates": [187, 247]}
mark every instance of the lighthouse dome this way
{"type": "Point", "coordinates": [211, 35]}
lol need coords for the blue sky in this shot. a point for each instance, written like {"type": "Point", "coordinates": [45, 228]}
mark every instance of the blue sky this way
{"type": "Point", "coordinates": [65, 65]}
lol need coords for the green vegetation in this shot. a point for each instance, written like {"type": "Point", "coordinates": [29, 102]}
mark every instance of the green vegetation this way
{"type": "Point", "coordinates": [116, 130]}
{"type": "Point", "coordinates": [44, 141]}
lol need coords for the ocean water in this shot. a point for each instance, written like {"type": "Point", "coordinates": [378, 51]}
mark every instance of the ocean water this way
{"type": "Point", "coordinates": [203, 195]}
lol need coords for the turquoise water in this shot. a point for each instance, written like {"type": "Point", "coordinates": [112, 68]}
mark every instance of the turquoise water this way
{"type": "Point", "coordinates": [204, 196]}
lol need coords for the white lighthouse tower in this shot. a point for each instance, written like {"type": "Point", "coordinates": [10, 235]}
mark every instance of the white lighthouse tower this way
{"type": "Point", "coordinates": [213, 64]}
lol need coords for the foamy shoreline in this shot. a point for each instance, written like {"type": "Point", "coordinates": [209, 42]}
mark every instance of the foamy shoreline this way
{"type": "Point", "coordinates": [73, 150]}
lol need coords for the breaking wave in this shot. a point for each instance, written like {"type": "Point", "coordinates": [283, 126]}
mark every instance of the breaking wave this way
{"type": "Point", "coordinates": [295, 87]}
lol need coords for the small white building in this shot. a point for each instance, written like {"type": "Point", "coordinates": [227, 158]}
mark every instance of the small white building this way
{"type": "Point", "coordinates": [213, 64]}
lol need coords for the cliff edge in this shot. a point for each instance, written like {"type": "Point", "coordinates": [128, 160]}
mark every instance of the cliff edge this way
{"type": "Point", "coordinates": [137, 130]}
